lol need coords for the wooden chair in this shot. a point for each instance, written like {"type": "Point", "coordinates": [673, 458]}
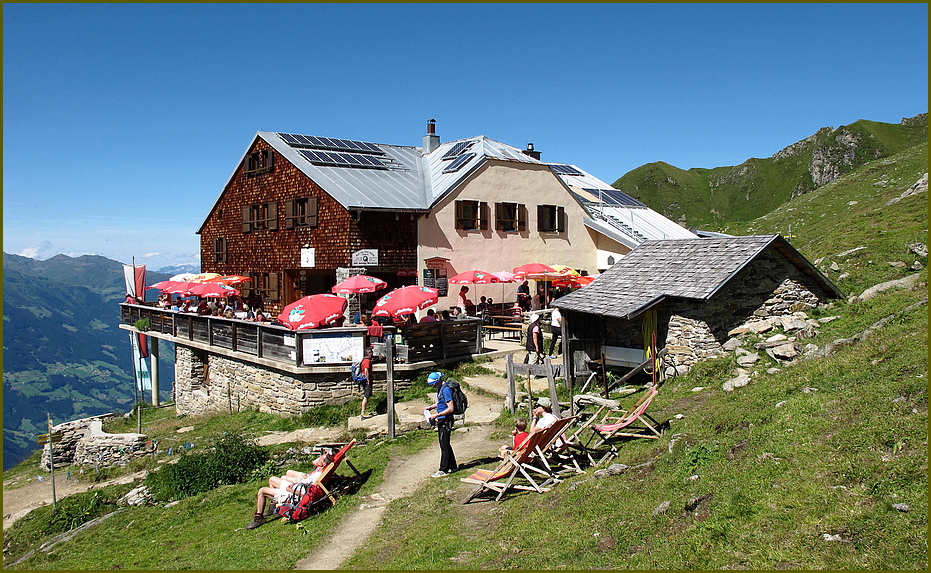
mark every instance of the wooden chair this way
{"type": "Point", "coordinates": [331, 484]}
{"type": "Point", "coordinates": [632, 423]}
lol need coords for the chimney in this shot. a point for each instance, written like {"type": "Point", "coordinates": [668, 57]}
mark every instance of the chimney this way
{"type": "Point", "coordinates": [531, 153]}
{"type": "Point", "coordinates": [431, 141]}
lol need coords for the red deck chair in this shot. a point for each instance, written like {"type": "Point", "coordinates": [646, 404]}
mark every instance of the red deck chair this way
{"type": "Point", "coordinates": [331, 484]}
{"type": "Point", "coordinates": [633, 423]}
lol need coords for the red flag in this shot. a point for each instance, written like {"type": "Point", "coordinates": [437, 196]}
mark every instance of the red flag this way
{"type": "Point", "coordinates": [143, 346]}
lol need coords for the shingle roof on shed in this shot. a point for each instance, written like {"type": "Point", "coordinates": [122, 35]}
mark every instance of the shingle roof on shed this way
{"type": "Point", "coordinates": [682, 268]}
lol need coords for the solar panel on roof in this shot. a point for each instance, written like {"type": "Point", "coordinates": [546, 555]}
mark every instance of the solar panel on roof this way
{"type": "Point", "coordinates": [563, 169]}
{"type": "Point", "coordinates": [458, 163]}
{"type": "Point", "coordinates": [340, 159]}
{"type": "Point", "coordinates": [615, 197]}
{"type": "Point", "coordinates": [329, 143]}
{"type": "Point", "coordinates": [457, 149]}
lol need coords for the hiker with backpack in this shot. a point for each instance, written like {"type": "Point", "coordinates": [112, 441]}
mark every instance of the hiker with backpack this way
{"type": "Point", "coordinates": [279, 489]}
{"type": "Point", "coordinates": [363, 377]}
{"type": "Point", "coordinates": [443, 417]}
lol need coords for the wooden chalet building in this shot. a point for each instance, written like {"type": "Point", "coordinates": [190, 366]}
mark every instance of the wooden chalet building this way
{"type": "Point", "coordinates": [300, 213]}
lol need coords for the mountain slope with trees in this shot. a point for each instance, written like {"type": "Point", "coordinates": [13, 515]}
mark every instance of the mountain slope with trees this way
{"type": "Point", "coordinates": [63, 353]}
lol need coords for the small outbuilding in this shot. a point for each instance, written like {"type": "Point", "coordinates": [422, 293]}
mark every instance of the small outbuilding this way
{"type": "Point", "coordinates": [692, 295]}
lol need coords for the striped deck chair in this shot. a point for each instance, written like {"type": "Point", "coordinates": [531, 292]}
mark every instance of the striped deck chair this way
{"type": "Point", "coordinates": [633, 423]}
{"type": "Point", "coordinates": [514, 464]}
{"type": "Point", "coordinates": [331, 484]}
{"type": "Point", "coordinates": [552, 443]}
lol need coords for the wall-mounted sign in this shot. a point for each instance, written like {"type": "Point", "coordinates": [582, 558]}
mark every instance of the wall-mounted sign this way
{"type": "Point", "coordinates": [308, 257]}
{"type": "Point", "coordinates": [365, 258]}
{"type": "Point", "coordinates": [436, 262]}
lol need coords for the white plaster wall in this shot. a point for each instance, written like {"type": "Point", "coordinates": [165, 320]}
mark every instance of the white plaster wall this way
{"type": "Point", "coordinates": [499, 181]}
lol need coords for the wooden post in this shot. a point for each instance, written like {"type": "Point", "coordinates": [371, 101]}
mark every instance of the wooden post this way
{"type": "Point", "coordinates": [552, 385]}
{"type": "Point", "coordinates": [138, 418]}
{"type": "Point", "coordinates": [604, 371]}
{"type": "Point", "coordinates": [153, 368]}
{"type": "Point", "coordinates": [389, 356]}
{"type": "Point", "coordinates": [512, 390]}
{"type": "Point", "coordinates": [568, 365]}
{"type": "Point", "coordinates": [529, 395]}
{"type": "Point", "coordinates": [51, 458]}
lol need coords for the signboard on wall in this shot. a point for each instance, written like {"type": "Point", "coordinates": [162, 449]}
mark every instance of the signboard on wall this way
{"type": "Point", "coordinates": [436, 278]}
{"type": "Point", "coordinates": [308, 257]}
{"type": "Point", "coordinates": [323, 348]}
{"type": "Point", "coordinates": [365, 258]}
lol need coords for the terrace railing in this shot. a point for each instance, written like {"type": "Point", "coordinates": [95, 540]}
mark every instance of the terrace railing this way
{"type": "Point", "coordinates": [318, 347]}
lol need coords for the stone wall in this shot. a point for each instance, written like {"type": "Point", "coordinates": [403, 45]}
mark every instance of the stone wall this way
{"type": "Point", "coordinates": [768, 287]}
{"type": "Point", "coordinates": [206, 382]}
{"type": "Point", "coordinates": [84, 442]}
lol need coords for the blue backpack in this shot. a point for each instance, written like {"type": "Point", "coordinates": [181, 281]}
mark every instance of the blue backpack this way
{"type": "Point", "coordinates": [356, 374]}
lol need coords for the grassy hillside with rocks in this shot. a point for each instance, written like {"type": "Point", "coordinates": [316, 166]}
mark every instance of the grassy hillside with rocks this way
{"type": "Point", "coordinates": [817, 464]}
{"type": "Point", "coordinates": [709, 198]}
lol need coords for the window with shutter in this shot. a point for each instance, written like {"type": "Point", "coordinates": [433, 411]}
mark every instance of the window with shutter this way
{"type": "Point", "coordinates": [468, 215]}
{"type": "Point", "coordinates": [247, 219]}
{"type": "Point", "coordinates": [219, 250]}
{"type": "Point", "coordinates": [258, 162]}
{"type": "Point", "coordinates": [272, 291]}
{"type": "Point", "coordinates": [510, 217]}
{"type": "Point", "coordinates": [550, 219]}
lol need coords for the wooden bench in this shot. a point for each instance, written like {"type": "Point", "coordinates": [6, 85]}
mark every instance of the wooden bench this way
{"type": "Point", "coordinates": [491, 330]}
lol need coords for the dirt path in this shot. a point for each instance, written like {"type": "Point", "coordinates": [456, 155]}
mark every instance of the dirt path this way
{"type": "Point", "coordinates": [402, 476]}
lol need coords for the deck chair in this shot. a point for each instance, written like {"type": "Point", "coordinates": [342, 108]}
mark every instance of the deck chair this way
{"type": "Point", "coordinates": [515, 464]}
{"type": "Point", "coordinates": [332, 484]}
{"type": "Point", "coordinates": [566, 454]}
{"type": "Point", "coordinates": [632, 423]}
{"type": "Point", "coordinates": [548, 450]}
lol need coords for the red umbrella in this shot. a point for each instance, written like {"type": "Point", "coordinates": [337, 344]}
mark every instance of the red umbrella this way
{"type": "Point", "coordinates": [359, 284]}
{"type": "Point", "coordinates": [229, 279]}
{"type": "Point", "coordinates": [161, 285]}
{"type": "Point", "coordinates": [406, 300]}
{"type": "Point", "coordinates": [313, 311]}
{"type": "Point", "coordinates": [178, 287]}
{"type": "Point", "coordinates": [212, 289]}
{"type": "Point", "coordinates": [474, 278]}
{"type": "Point", "coordinates": [532, 269]}
{"type": "Point", "coordinates": [573, 282]}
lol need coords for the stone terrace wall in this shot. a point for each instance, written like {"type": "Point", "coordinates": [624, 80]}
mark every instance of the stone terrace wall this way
{"type": "Point", "coordinates": [206, 382]}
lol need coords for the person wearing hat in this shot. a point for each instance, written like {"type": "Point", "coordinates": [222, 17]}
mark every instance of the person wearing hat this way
{"type": "Point", "coordinates": [534, 340]}
{"type": "Point", "coordinates": [443, 417]}
{"type": "Point", "coordinates": [543, 416]}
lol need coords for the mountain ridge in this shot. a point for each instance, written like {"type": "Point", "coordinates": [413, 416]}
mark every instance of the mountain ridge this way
{"type": "Point", "coordinates": [715, 196]}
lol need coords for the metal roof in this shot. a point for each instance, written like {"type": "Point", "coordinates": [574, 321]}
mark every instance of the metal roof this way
{"type": "Point", "coordinates": [414, 181]}
{"type": "Point", "coordinates": [682, 268]}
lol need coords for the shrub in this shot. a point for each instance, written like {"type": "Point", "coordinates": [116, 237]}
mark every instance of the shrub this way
{"type": "Point", "coordinates": [231, 460]}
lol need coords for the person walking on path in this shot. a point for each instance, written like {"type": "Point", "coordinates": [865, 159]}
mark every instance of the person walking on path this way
{"type": "Point", "coordinates": [443, 416]}
{"type": "Point", "coordinates": [534, 340]}
{"type": "Point", "coordinates": [556, 330]}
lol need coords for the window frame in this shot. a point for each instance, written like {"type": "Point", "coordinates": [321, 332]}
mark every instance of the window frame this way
{"type": "Point", "coordinates": [551, 219]}
{"type": "Point", "coordinates": [219, 250]}
{"type": "Point", "coordinates": [259, 162]}
{"type": "Point", "coordinates": [478, 222]}
{"type": "Point", "coordinates": [507, 224]}
{"type": "Point", "coordinates": [301, 212]}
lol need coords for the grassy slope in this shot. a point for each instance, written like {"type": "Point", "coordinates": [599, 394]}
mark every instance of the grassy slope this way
{"type": "Point", "coordinates": [709, 197]}
{"type": "Point", "coordinates": [847, 440]}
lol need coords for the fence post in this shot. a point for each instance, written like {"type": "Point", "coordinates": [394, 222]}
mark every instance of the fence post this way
{"type": "Point", "coordinates": [511, 385]}
{"type": "Point", "coordinates": [389, 356]}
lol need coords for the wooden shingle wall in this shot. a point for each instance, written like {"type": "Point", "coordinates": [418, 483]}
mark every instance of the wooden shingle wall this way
{"type": "Point", "coordinates": [335, 237]}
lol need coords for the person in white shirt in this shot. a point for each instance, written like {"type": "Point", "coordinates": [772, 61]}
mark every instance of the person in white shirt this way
{"type": "Point", "coordinates": [556, 330]}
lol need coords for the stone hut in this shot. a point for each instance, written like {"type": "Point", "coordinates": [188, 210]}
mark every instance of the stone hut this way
{"type": "Point", "coordinates": [691, 294]}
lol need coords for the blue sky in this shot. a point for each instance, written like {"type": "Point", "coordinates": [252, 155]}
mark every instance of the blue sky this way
{"type": "Point", "coordinates": [122, 123]}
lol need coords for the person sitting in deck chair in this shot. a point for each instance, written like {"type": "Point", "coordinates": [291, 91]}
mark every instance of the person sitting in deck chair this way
{"type": "Point", "coordinates": [543, 417]}
{"type": "Point", "coordinates": [279, 489]}
{"type": "Point", "coordinates": [520, 434]}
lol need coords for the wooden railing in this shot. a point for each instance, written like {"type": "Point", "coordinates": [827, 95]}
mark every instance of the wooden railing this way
{"type": "Point", "coordinates": [326, 346]}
